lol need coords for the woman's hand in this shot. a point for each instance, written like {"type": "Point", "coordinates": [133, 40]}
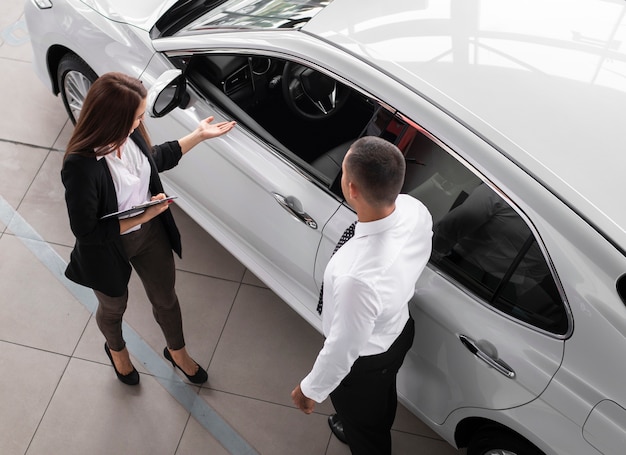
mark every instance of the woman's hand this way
{"type": "Point", "coordinates": [205, 130]}
{"type": "Point", "coordinates": [147, 215]}
{"type": "Point", "coordinates": [157, 209]}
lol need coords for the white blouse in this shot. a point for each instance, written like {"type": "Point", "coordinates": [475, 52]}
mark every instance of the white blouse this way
{"type": "Point", "coordinates": [131, 177]}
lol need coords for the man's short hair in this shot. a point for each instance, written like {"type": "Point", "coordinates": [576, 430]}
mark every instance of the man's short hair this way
{"type": "Point", "coordinates": [377, 168]}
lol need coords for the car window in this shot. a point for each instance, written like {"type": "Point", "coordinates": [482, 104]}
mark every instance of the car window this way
{"type": "Point", "coordinates": [251, 14]}
{"type": "Point", "coordinates": [188, 17]}
{"type": "Point", "coordinates": [302, 113]}
{"type": "Point", "coordinates": [479, 240]}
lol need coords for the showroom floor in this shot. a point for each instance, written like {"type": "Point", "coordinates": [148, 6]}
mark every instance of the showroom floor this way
{"type": "Point", "coordinates": [58, 390]}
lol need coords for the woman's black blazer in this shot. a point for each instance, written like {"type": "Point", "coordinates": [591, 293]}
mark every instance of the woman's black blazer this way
{"type": "Point", "coordinates": [98, 259]}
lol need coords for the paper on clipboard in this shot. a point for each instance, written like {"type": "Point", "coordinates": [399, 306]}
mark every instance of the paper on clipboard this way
{"type": "Point", "coordinates": [137, 209]}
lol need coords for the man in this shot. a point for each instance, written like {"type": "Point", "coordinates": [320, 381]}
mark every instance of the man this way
{"type": "Point", "coordinates": [367, 286]}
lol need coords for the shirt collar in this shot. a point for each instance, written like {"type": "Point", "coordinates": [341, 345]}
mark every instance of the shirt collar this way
{"type": "Point", "coordinates": [374, 227]}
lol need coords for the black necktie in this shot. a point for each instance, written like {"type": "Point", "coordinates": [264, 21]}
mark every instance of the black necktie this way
{"type": "Point", "coordinates": [347, 235]}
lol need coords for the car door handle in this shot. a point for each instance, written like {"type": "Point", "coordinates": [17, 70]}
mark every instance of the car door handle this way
{"type": "Point", "coordinates": [496, 364]}
{"type": "Point", "coordinates": [294, 207]}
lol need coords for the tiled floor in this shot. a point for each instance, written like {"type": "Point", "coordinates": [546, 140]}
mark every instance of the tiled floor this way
{"type": "Point", "coordinates": [58, 390]}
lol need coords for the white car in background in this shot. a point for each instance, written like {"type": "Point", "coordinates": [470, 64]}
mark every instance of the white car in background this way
{"type": "Point", "coordinates": [510, 115]}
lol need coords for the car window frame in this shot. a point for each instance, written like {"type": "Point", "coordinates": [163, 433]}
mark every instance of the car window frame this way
{"type": "Point", "coordinates": [527, 221]}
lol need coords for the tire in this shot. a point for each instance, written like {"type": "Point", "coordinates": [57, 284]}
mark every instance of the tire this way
{"type": "Point", "coordinates": [74, 77]}
{"type": "Point", "coordinates": [499, 441]}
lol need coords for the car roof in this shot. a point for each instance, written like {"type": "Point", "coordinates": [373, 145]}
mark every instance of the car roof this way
{"type": "Point", "coordinates": [544, 81]}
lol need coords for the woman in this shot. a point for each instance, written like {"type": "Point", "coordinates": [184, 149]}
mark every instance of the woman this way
{"type": "Point", "coordinates": [110, 166]}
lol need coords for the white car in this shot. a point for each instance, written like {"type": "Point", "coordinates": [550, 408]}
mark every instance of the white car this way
{"type": "Point", "coordinates": [509, 114]}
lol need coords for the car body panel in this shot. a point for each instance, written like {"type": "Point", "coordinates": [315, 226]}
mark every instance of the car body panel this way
{"type": "Point", "coordinates": [606, 427]}
{"type": "Point", "coordinates": [530, 420]}
{"type": "Point", "coordinates": [128, 47]}
{"type": "Point", "coordinates": [449, 376]}
{"type": "Point", "coordinates": [138, 14]}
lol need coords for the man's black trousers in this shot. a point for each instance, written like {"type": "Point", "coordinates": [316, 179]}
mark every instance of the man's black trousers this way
{"type": "Point", "coordinates": [366, 399]}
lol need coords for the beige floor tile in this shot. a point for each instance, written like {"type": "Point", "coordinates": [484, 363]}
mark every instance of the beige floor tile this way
{"type": "Point", "coordinates": [205, 303]}
{"type": "Point", "coordinates": [336, 447]}
{"type": "Point", "coordinates": [37, 116]}
{"type": "Point", "coordinates": [66, 133]}
{"type": "Point", "coordinates": [91, 347]}
{"type": "Point", "coordinates": [44, 204]}
{"type": "Point", "coordinates": [28, 378]}
{"type": "Point", "coordinates": [63, 251]}
{"type": "Point", "coordinates": [10, 12]}
{"type": "Point", "coordinates": [93, 414]}
{"type": "Point", "coordinates": [406, 443]}
{"type": "Point", "coordinates": [265, 350]}
{"type": "Point", "coordinates": [270, 428]}
{"type": "Point", "coordinates": [251, 278]}
{"type": "Point", "coordinates": [36, 310]}
{"type": "Point", "coordinates": [409, 423]}
{"type": "Point", "coordinates": [197, 440]}
{"type": "Point", "coordinates": [403, 444]}
{"type": "Point", "coordinates": [202, 254]}
{"type": "Point", "coordinates": [19, 165]}
{"type": "Point", "coordinates": [14, 39]}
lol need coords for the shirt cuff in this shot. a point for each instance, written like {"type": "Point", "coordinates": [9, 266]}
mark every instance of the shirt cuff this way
{"type": "Point", "coordinates": [309, 390]}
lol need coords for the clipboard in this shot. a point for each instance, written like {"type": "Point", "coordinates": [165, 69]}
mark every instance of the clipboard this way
{"type": "Point", "coordinates": [137, 209]}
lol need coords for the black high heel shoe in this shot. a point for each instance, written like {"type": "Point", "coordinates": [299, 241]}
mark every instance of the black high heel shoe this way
{"type": "Point", "coordinates": [200, 377]}
{"type": "Point", "coordinates": [131, 378]}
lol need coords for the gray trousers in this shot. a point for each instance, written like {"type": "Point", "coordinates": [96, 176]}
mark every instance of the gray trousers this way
{"type": "Point", "coordinates": [151, 256]}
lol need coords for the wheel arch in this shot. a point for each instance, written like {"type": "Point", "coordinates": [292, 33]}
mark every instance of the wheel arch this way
{"type": "Point", "coordinates": [53, 59]}
{"type": "Point", "coordinates": [469, 426]}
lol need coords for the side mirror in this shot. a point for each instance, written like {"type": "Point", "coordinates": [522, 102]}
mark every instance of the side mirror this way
{"type": "Point", "coordinates": [168, 92]}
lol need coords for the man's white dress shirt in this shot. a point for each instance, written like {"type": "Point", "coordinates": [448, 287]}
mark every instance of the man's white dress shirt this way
{"type": "Point", "coordinates": [367, 286]}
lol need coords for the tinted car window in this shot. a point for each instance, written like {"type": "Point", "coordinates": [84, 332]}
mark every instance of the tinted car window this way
{"type": "Point", "coordinates": [188, 17]}
{"type": "Point", "coordinates": [480, 240]}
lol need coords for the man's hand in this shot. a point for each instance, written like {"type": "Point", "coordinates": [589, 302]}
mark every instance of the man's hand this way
{"type": "Point", "coordinates": [303, 403]}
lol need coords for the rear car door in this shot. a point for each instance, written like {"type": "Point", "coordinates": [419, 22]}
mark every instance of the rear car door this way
{"type": "Point", "coordinates": [490, 319]}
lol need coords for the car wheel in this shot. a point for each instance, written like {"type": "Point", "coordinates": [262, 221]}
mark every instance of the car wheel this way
{"type": "Point", "coordinates": [496, 441]}
{"type": "Point", "coordinates": [74, 78]}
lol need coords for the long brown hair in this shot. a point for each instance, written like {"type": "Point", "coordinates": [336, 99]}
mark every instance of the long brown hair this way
{"type": "Point", "coordinates": [107, 115]}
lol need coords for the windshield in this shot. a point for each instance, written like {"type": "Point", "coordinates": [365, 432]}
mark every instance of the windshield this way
{"type": "Point", "coordinates": [189, 17]}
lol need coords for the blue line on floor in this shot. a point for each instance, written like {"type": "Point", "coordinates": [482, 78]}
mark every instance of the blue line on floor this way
{"type": "Point", "coordinates": [153, 362]}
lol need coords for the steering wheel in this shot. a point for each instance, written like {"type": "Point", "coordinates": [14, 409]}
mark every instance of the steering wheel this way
{"type": "Point", "coordinates": [311, 94]}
